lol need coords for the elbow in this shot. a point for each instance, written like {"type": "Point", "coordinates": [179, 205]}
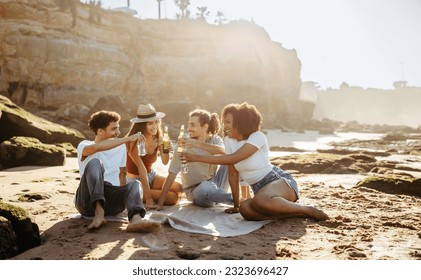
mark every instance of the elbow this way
{"type": "Point", "coordinates": [233, 161]}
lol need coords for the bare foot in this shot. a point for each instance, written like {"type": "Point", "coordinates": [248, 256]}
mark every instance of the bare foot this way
{"type": "Point", "coordinates": [99, 218]}
{"type": "Point", "coordinates": [97, 222]}
{"type": "Point", "coordinates": [137, 224]}
{"type": "Point", "coordinates": [317, 214]}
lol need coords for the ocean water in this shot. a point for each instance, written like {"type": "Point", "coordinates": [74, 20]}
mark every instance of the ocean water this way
{"type": "Point", "coordinates": [310, 141]}
{"type": "Point", "coordinates": [313, 140]}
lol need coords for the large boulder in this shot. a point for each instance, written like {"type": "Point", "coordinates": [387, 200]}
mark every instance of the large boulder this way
{"type": "Point", "coordinates": [15, 121]}
{"type": "Point", "coordinates": [25, 234]}
{"type": "Point", "coordinates": [392, 184]}
{"type": "Point", "coordinates": [19, 151]}
{"type": "Point", "coordinates": [8, 246]}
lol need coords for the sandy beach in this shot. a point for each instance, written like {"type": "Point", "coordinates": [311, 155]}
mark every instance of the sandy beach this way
{"type": "Point", "coordinates": [364, 224]}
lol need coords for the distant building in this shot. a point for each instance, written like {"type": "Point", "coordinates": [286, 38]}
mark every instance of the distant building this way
{"type": "Point", "coordinates": [127, 10]}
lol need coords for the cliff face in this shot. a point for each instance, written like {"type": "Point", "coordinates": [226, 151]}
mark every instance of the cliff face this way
{"type": "Point", "coordinates": [55, 52]}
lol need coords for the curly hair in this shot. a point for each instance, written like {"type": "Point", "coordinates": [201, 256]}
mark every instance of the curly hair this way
{"type": "Point", "coordinates": [102, 119]}
{"type": "Point", "coordinates": [246, 118]}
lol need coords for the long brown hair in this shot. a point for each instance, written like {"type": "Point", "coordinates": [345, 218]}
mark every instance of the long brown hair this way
{"type": "Point", "coordinates": [141, 127]}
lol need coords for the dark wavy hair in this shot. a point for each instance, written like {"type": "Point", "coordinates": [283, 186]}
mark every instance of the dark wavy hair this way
{"type": "Point", "coordinates": [102, 119]}
{"type": "Point", "coordinates": [246, 118]}
{"type": "Point", "coordinates": [205, 117]}
{"type": "Point", "coordinates": [141, 126]}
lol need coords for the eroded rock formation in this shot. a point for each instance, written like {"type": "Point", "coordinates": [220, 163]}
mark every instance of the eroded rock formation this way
{"type": "Point", "coordinates": [52, 55]}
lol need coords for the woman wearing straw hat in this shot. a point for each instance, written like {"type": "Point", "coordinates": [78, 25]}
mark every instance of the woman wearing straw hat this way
{"type": "Point", "coordinates": [148, 122]}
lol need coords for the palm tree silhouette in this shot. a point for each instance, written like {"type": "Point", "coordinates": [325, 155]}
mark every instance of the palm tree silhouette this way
{"type": "Point", "coordinates": [159, 8]}
{"type": "Point", "coordinates": [220, 18]}
{"type": "Point", "coordinates": [203, 13]}
{"type": "Point", "coordinates": [183, 5]}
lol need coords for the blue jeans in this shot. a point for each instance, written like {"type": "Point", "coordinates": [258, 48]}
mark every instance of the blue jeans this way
{"type": "Point", "coordinates": [212, 191]}
{"type": "Point", "coordinates": [114, 199]}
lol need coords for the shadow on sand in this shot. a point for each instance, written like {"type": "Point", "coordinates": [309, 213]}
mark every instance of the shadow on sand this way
{"type": "Point", "coordinates": [70, 239]}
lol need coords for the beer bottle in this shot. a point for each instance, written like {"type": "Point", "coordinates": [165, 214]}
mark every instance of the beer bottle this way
{"type": "Point", "coordinates": [166, 142]}
{"type": "Point", "coordinates": [180, 149]}
{"type": "Point", "coordinates": [180, 136]}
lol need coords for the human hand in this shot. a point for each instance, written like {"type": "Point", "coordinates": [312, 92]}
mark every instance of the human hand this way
{"type": "Point", "coordinates": [189, 143]}
{"type": "Point", "coordinates": [138, 137]}
{"type": "Point", "coordinates": [159, 207]}
{"type": "Point", "coordinates": [187, 157]}
{"type": "Point", "coordinates": [232, 210]}
{"type": "Point", "coordinates": [150, 204]}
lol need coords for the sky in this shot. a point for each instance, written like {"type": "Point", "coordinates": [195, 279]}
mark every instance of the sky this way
{"type": "Point", "coordinates": [366, 43]}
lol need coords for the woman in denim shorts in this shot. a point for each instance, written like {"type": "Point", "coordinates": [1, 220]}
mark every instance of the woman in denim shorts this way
{"type": "Point", "coordinates": [139, 167]}
{"type": "Point", "coordinates": [247, 156]}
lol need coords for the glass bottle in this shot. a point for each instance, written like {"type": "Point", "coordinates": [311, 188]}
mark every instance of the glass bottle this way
{"type": "Point", "coordinates": [166, 142]}
{"type": "Point", "coordinates": [180, 149]}
{"type": "Point", "coordinates": [141, 148]}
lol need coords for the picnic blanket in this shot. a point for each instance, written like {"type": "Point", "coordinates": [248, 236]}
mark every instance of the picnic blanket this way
{"type": "Point", "coordinates": [190, 218]}
{"type": "Point", "coordinates": [212, 221]}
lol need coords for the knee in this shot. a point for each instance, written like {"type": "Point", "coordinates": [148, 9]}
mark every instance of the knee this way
{"type": "Point", "coordinates": [246, 210]}
{"type": "Point", "coordinates": [94, 164]}
{"type": "Point", "coordinates": [260, 203]}
{"type": "Point", "coordinates": [172, 198]}
{"type": "Point", "coordinates": [201, 191]}
{"type": "Point", "coordinates": [201, 196]}
{"type": "Point", "coordinates": [94, 169]}
{"type": "Point", "coordinates": [135, 188]}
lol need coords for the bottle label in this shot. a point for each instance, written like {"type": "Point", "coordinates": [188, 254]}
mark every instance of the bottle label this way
{"type": "Point", "coordinates": [166, 145]}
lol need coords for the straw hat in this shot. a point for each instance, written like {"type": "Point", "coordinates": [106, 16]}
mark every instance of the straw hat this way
{"type": "Point", "coordinates": [147, 113]}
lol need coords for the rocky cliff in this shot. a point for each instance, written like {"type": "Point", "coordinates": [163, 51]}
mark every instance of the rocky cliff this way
{"type": "Point", "coordinates": [58, 54]}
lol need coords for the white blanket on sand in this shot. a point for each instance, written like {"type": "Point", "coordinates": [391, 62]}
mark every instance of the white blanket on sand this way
{"type": "Point", "coordinates": [212, 221]}
{"type": "Point", "coordinates": [190, 218]}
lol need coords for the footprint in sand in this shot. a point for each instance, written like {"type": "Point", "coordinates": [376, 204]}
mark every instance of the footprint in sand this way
{"type": "Point", "coordinates": [155, 241]}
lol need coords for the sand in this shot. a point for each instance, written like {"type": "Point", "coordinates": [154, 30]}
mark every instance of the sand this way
{"type": "Point", "coordinates": [365, 224]}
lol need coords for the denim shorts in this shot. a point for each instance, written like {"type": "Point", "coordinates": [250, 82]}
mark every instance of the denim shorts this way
{"type": "Point", "coordinates": [151, 178]}
{"type": "Point", "coordinates": [275, 174]}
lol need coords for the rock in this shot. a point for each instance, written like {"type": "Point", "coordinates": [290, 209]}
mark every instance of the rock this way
{"type": "Point", "coordinates": [325, 163]}
{"type": "Point", "coordinates": [395, 136]}
{"type": "Point", "coordinates": [26, 232]}
{"type": "Point", "coordinates": [16, 121]}
{"type": "Point", "coordinates": [285, 149]}
{"type": "Point", "coordinates": [393, 184]}
{"type": "Point", "coordinates": [344, 151]}
{"type": "Point", "coordinates": [47, 61]}
{"type": "Point", "coordinates": [8, 246]}
{"type": "Point", "coordinates": [33, 196]}
{"type": "Point", "coordinates": [188, 255]}
{"type": "Point", "coordinates": [19, 151]}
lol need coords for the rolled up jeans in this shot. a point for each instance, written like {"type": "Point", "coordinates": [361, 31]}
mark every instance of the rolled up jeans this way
{"type": "Point", "coordinates": [114, 199]}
